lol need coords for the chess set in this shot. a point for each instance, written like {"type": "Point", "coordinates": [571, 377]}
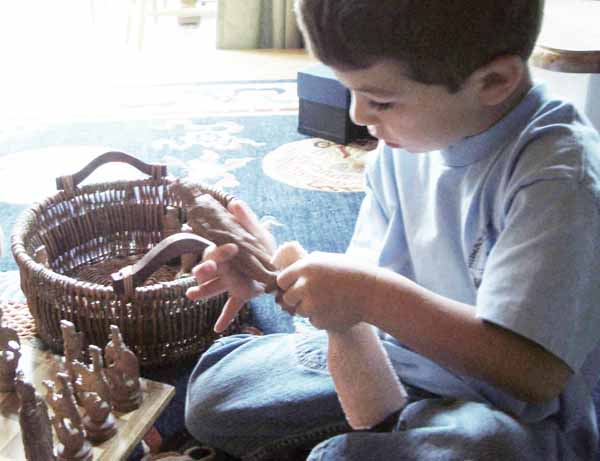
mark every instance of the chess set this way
{"type": "Point", "coordinates": [121, 253]}
{"type": "Point", "coordinates": [73, 407]}
{"type": "Point", "coordinates": [90, 393]}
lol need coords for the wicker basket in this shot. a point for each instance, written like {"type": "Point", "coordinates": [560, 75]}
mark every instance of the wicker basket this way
{"type": "Point", "coordinates": [92, 231]}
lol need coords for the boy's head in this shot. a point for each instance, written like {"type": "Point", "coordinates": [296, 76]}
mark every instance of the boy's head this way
{"type": "Point", "coordinates": [425, 74]}
{"type": "Point", "coordinates": [439, 42]}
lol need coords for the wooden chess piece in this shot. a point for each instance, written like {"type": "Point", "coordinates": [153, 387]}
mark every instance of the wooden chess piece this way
{"type": "Point", "coordinates": [10, 353]}
{"type": "Point", "coordinates": [93, 394]}
{"type": "Point", "coordinates": [36, 431]}
{"type": "Point", "coordinates": [210, 219]}
{"type": "Point", "coordinates": [67, 421]}
{"type": "Point", "coordinates": [123, 373]}
{"type": "Point", "coordinates": [73, 341]}
{"type": "Point", "coordinates": [72, 346]}
{"type": "Point", "coordinates": [98, 420]}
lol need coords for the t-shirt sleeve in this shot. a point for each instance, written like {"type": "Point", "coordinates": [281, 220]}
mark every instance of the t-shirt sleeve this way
{"type": "Point", "coordinates": [542, 276]}
{"type": "Point", "coordinates": [369, 231]}
{"type": "Point", "coordinates": [379, 236]}
{"type": "Point", "coordinates": [372, 221]}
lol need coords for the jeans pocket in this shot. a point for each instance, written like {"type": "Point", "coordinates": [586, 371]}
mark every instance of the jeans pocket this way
{"type": "Point", "coordinates": [311, 350]}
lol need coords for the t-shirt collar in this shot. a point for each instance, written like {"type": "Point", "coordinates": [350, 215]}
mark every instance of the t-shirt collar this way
{"type": "Point", "coordinates": [474, 148]}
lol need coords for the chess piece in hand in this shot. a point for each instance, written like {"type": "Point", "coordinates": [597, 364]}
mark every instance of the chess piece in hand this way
{"type": "Point", "coordinates": [210, 219]}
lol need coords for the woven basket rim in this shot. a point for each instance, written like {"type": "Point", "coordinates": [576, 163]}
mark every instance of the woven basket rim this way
{"type": "Point", "coordinates": [26, 221]}
{"type": "Point", "coordinates": [160, 323]}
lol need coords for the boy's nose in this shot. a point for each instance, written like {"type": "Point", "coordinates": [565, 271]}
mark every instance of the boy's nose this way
{"type": "Point", "coordinates": [360, 112]}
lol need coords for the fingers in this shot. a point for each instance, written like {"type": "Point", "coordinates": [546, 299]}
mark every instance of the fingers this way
{"type": "Point", "coordinates": [245, 216]}
{"type": "Point", "coordinates": [230, 310]}
{"type": "Point", "coordinates": [251, 223]}
{"type": "Point", "coordinates": [288, 276]}
{"type": "Point", "coordinates": [295, 294]}
{"type": "Point", "coordinates": [207, 273]}
{"type": "Point", "coordinates": [290, 309]}
{"type": "Point", "coordinates": [205, 270]}
{"type": "Point", "coordinates": [294, 299]}
{"type": "Point", "coordinates": [220, 254]}
{"type": "Point", "coordinates": [290, 290]}
{"type": "Point", "coordinates": [263, 258]}
{"type": "Point", "coordinates": [287, 254]}
{"type": "Point", "coordinates": [209, 289]}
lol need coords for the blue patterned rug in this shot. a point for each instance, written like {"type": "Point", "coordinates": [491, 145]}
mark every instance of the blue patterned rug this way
{"type": "Point", "coordinates": [219, 134]}
{"type": "Point", "coordinates": [240, 137]}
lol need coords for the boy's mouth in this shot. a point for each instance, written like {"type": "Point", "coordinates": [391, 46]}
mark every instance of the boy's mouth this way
{"type": "Point", "coordinates": [393, 145]}
{"type": "Point", "coordinates": [373, 132]}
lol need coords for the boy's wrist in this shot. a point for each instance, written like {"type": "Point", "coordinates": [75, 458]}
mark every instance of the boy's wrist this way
{"type": "Point", "coordinates": [389, 291]}
{"type": "Point", "coordinates": [373, 290]}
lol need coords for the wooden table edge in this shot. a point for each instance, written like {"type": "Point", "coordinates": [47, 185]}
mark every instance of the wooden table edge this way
{"type": "Point", "coordinates": [165, 399]}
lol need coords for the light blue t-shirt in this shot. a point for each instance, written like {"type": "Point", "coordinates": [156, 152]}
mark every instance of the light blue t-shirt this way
{"type": "Point", "coordinates": [509, 222]}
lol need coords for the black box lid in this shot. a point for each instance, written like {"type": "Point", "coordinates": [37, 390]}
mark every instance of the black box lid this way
{"type": "Point", "coordinates": [318, 84]}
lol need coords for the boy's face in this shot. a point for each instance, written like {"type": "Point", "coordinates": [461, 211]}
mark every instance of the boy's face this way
{"type": "Point", "coordinates": [407, 114]}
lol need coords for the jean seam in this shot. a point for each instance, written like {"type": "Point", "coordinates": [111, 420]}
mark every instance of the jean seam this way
{"type": "Point", "coordinates": [316, 435]}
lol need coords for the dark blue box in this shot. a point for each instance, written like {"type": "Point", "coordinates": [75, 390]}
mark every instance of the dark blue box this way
{"type": "Point", "coordinates": [324, 105]}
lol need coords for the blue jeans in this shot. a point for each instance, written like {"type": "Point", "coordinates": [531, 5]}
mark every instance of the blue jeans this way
{"type": "Point", "coordinates": [258, 397]}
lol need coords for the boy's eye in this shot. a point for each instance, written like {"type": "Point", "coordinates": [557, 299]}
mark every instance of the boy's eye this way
{"type": "Point", "coordinates": [380, 105]}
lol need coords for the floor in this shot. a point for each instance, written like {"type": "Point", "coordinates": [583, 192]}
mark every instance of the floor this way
{"type": "Point", "coordinates": [70, 56]}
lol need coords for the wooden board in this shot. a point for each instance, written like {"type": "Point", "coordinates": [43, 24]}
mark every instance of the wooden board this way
{"type": "Point", "coordinates": [39, 365]}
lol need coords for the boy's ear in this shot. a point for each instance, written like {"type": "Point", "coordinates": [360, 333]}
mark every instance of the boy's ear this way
{"type": "Point", "coordinates": [497, 80]}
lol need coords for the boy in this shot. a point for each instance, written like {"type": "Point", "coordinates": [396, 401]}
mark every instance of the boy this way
{"type": "Point", "coordinates": [476, 253]}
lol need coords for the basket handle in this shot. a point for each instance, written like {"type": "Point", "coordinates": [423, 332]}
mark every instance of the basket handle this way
{"type": "Point", "coordinates": [128, 278]}
{"type": "Point", "coordinates": [69, 182]}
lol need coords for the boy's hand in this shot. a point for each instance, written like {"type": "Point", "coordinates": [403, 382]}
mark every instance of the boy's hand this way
{"type": "Point", "coordinates": [329, 289]}
{"type": "Point", "coordinates": [215, 275]}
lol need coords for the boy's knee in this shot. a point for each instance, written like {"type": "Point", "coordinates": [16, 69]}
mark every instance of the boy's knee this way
{"type": "Point", "coordinates": [198, 409]}
{"type": "Point", "coordinates": [198, 422]}
{"type": "Point", "coordinates": [334, 448]}
{"type": "Point", "coordinates": [206, 385]}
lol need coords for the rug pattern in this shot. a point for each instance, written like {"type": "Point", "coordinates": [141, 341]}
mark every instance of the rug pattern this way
{"type": "Point", "coordinates": [319, 164]}
{"type": "Point", "coordinates": [16, 315]}
{"type": "Point", "coordinates": [237, 137]}
{"type": "Point", "coordinates": [217, 146]}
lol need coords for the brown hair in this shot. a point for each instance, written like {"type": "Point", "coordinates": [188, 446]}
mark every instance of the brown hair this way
{"type": "Point", "coordinates": [441, 42]}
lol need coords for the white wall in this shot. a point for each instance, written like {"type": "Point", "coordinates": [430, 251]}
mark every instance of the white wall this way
{"type": "Point", "coordinates": [573, 87]}
{"type": "Point", "coordinates": [570, 86]}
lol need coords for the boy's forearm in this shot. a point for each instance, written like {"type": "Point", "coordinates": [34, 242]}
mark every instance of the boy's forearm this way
{"type": "Point", "coordinates": [449, 333]}
{"type": "Point", "coordinates": [366, 383]}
